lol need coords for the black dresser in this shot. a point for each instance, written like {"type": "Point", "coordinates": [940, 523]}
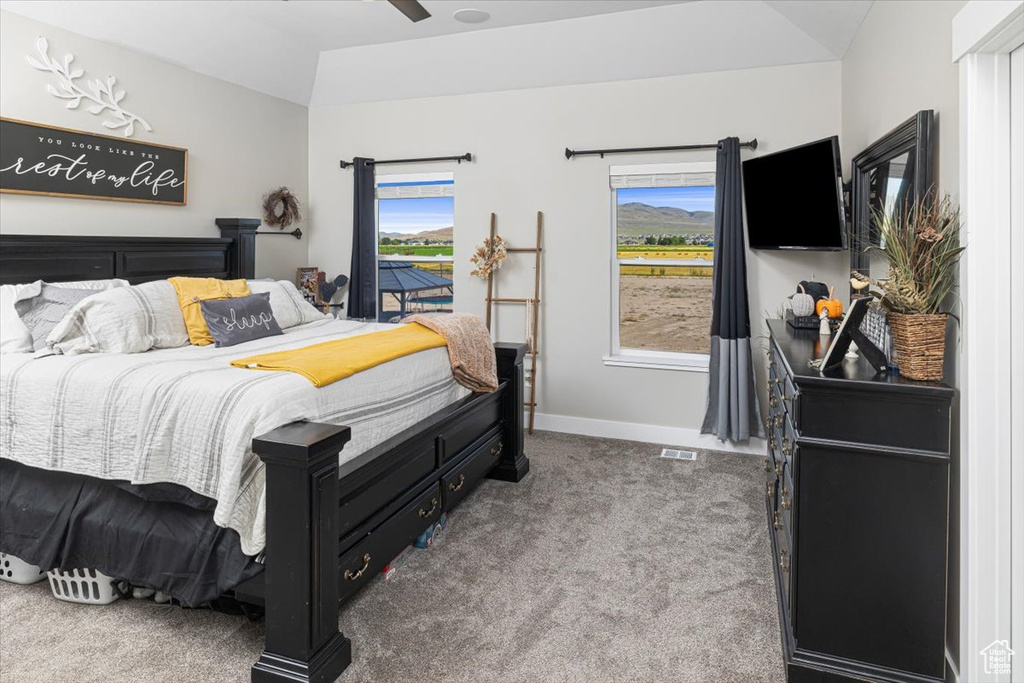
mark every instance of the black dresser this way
{"type": "Point", "coordinates": [858, 496]}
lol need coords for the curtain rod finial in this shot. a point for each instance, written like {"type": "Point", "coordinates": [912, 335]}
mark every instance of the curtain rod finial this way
{"type": "Point", "coordinates": [753, 144]}
{"type": "Point", "coordinates": [569, 153]}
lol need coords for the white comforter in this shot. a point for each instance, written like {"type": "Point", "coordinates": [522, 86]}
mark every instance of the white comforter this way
{"type": "Point", "coordinates": [186, 416]}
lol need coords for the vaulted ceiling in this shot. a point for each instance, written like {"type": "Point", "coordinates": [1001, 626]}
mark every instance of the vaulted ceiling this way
{"type": "Point", "coordinates": [324, 52]}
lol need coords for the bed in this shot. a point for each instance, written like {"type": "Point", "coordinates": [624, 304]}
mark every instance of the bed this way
{"type": "Point", "coordinates": [299, 495]}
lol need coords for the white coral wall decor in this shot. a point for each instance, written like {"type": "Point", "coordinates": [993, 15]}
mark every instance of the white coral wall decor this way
{"type": "Point", "coordinates": [102, 94]}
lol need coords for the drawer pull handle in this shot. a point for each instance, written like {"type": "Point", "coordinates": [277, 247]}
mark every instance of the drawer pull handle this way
{"type": "Point", "coordinates": [767, 467]}
{"type": "Point", "coordinates": [777, 524]}
{"type": "Point", "coordinates": [778, 470]}
{"type": "Point", "coordinates": [453, 487]}
{"type": "Point", "coordinates": [431, 511]}
{"type": "Point", "coordinates": [771, 491]}
{"type": "Point", "coordinates": [785, 499]}
{"type": "Point", "coordinates": [784, 560]}
{"type": "Point", "coordinates": [496, 451]}
{"type": "Point", "coordinates": [787, 451]}
{"type": "Point", "coordinates": [352, 576]}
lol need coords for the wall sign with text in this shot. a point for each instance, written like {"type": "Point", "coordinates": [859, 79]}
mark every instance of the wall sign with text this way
{"type": "Point", "coordinates": [57, 162]}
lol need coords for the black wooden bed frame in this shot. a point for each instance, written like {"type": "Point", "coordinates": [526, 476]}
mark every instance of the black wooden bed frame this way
{"type": "Point", "coordinates": [330, 528]}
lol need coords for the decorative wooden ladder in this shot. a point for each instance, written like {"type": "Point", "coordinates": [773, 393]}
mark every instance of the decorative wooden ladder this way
{"type": "Point", "coordinates": [532, 308]}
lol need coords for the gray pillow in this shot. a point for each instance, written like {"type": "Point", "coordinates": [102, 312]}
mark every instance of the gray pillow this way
{"type": "Point", "coordinates": [42, 312]}
{"type": "Point", "coordinates": [242, 319]}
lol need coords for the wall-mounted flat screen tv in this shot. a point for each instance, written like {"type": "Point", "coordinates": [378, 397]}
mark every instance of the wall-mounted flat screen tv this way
{"type": "Point", "coordinates": [794, 198]}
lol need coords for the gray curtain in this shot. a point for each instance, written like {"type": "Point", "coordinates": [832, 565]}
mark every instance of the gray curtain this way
{"type": "Point", "coordinates": [732, 412]}
{"type": "Point", "coordinates": [362, 289]}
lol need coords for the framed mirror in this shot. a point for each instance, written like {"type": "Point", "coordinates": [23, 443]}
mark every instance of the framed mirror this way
{"type": "Point", "coordinates": [887, 176]}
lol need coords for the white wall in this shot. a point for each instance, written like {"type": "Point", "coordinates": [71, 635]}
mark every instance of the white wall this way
{"type": "Point", "coordinates": [899, 63]}
{"type": "Point", "coordinates": [241, 144]}
{"type": "Point", "coordinates": [517, 139]}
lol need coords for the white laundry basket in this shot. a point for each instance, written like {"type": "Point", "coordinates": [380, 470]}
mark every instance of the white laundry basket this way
{"type": "Point", "coordinates": [18, 571]}
{"type": "Point", "coordinates": [85, 586]}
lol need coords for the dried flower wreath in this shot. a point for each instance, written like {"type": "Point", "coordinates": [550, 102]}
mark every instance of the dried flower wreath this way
{"type": "Point", "coordinates": [281, 208]}
{"type": "Point", "coordinates": [488, 257]}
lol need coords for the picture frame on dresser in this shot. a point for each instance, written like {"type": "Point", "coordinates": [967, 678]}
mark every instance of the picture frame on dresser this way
{"type": "Point", "coordinates": [330, 527]}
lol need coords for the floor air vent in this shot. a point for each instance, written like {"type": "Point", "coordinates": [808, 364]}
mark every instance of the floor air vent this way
{"type": "Point", "coordinates": [674, 454]}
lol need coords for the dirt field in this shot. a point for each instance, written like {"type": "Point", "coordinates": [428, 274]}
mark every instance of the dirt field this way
{"type": "Point", "coordinates": [665, 313]}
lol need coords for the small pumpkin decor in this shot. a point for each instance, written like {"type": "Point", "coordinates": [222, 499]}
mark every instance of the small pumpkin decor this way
{"type": "Point", "coordinates": [832, 305]}
{"type": "Point", "coordinates": [922, 248]}
{"type": "Point", "coordinates": [281, 208]}
{"type": "Point", "coordinates": [802, 303]}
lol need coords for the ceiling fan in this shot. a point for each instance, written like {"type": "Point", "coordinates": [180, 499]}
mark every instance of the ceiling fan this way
{"type": "Point", "coordinates": [411, 8]}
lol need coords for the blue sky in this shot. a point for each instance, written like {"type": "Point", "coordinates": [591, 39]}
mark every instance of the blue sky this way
{"type": "Point", "coordinates": [410, 216]}
{"type": "Point", "coordinates": [699, 198]}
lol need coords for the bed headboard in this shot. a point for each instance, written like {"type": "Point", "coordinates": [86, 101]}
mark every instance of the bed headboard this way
{"type": "Point", "coordinates": [63, 258]}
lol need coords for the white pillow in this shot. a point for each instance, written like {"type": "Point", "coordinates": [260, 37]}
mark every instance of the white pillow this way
{"type": "Point", "coordinates": [122, 320]}
{"type": "Point", "coordinates": [289, 307]}
{"type": "Point", "coordinates": [14, 335]}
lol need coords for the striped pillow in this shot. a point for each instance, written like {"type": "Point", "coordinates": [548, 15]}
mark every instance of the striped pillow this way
{"type": "Point", "coordinates": [122, 320]}
{"type": "Point", "coordinates": [14, 336]}
{"type": "Point", "coordinates": [289, 308]}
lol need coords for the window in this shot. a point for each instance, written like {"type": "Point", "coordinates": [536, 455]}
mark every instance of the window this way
{"type": "Point", "coordinates": [663, 241]}
{"type": "Point", "coordinates": [415, 243]}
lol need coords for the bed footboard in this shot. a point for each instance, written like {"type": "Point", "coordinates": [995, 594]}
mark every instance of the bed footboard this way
{"type": "Point", "coordinates": [303, 642]}
{"type": "Point", "coordinates": [310, 540]}
{"type": "Point", "coordinates": [514, 464]}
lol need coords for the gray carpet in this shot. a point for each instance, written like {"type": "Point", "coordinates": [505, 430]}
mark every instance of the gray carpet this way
{"type": "Point", "coordinates": [605, 564]}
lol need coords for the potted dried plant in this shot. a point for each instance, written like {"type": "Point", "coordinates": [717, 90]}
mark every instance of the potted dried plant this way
{"type": "Point", "coordinates": [921, 245]}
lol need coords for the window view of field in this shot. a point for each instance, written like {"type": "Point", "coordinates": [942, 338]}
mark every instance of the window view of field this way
{"type": "Point", "coordinates": [422, 229]}
{"type": "Point", "coordinates": [664, 237]}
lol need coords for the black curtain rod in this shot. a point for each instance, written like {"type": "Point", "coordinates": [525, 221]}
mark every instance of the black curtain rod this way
{"type": "Point", "coordinates": [377, 162]}
{"type": "Point", "coordinates": [570, 153]}
{"type": "Point", "coordinates": [296, 233]}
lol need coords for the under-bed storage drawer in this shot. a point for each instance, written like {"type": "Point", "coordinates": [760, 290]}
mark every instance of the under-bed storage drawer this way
{"type": "Point", "coordinates": [360, 563]}
{"type": "Point", "coordinates": [360, 505]}
{"type": "Point", "coordinates": [464, 478]}
{"type": "Point", "coordinates": [464, 431]}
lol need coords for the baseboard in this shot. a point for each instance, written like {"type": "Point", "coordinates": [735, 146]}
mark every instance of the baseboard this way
{"type": "Point", "coordinates": [631, 431]}
{"type": "Point", "coordinates": [952, 673]}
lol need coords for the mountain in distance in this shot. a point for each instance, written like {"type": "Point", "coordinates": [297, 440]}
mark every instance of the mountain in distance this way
{"type": "Point", "coordinates": [637, 218]}
{"type": "Point", "coordinates": [439, 235]}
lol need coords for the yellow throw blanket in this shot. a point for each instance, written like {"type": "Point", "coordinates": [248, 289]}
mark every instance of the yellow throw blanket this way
{"type": "Point", "coordinates": [327, 362]}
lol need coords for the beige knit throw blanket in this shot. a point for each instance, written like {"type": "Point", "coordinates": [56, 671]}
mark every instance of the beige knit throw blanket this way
{"type": "Point", "coordinates": [469, 348]}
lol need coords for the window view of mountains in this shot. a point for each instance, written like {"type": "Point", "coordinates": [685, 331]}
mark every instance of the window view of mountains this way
{"type": "Point", "coordinates": [436, 236]}
{"type": "Point", "coordinates": [636, 219]}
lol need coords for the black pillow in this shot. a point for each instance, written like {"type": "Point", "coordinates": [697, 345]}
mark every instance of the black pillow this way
{"type": "Point", "coordinates": [233, 321]}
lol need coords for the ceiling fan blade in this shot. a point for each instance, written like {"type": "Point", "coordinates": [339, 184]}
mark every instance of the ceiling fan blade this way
{"type": "Point", "coordinates": [411, 8]}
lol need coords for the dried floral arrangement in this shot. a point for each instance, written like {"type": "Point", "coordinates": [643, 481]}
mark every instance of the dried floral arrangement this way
{"type": "Point", "coordinates": [280, 208]}
{"type": "Point", "coordinates": [488, 257]}
{"type": "Point", "coordinates": [921, 246]}
{"type": "Point", "coordinates": [102, 94]}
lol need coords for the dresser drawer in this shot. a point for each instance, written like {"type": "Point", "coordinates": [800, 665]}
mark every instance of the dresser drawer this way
{"type": "Point", "coordinates": [457, 484]}
{"type": "Point", "coordinates": [783, 561]}
{"type": "Point", "coordinates": [787, 443]}
{"type": "Point", "coordinates": [360, 563]}
{"type": "Point", "coordinates": [785, 506]}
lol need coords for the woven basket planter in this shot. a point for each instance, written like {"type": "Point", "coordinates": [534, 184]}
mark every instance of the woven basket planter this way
{"type": "Point", "coordinates": [920, 343]}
